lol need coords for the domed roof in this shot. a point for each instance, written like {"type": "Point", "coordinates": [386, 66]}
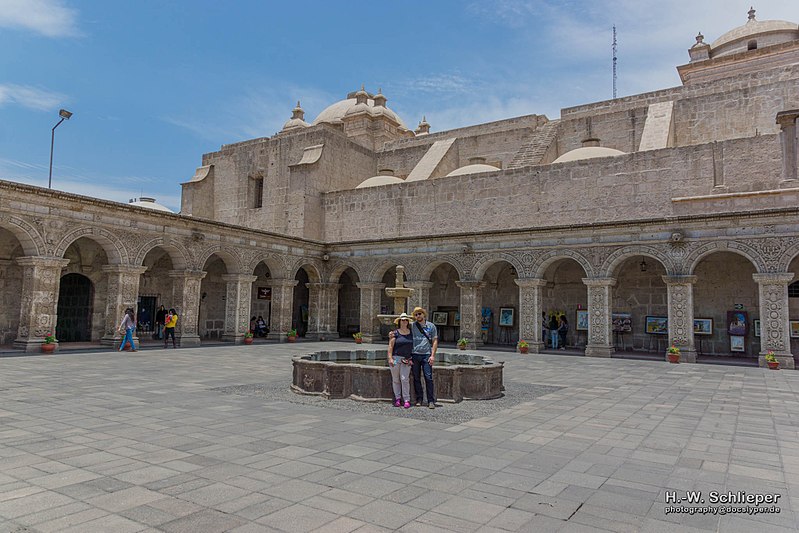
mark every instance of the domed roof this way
{"type": "Point", "coordinates": [754, 27]}
{"type": "Point", "coordinates": [377, 181]}
{"type": "Point", "coordinates": [588, 152]}
{"type": "Point", "coordinates": [149, 203]}
{"type": "Point", "coordinates": [334, 113]}
{"type": "Point", "coordinates": [473, 169]}
{"type": "Point", "coordinates": [296, 120]}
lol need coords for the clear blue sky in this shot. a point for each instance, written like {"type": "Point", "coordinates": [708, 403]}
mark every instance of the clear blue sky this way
{"type": "Point", "coordinates": [155, 84]}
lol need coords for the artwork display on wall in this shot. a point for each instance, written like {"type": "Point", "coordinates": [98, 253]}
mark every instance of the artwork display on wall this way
{"type": "Point", "coordinates": [456, 320]}
{"type": "Point", "coordinates": [264, 293]}
{"type": "Point", "coordinates": [756, 326]}
{"type": "Point", "coordinates": [794, 326]}
{"type": "Point", "coordinates": [657, 325]}
{"type": "Point", "coordinates": [485, 314]}
{"type": "Point", "coordinates": [506, 317]}
{"type": "Point", "coordinates": [737, 343]}
{"type": "Point", "coordinates": [440, 318]}
{"type": "Point", "coordinates": [703, 326]}
{"type": "Point", "coordinates": [582, 320]}
{"type": "Point", "coordinates": [622, 322]}
{"type": "Point", "coordinates": [737, 322]}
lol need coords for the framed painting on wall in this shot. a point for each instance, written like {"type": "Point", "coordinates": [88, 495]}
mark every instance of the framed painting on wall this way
{"type": "Point", "coordinates": [794, 327]}
{"type": "Point", "coordinates": [264, 293]}
{"type": "Point", "coordinates": [506, 317]}
{"type": "Point", "coordinates": [440, 318]}
{"type": "Point", "coordinates": [622, 322]}
{"type": "Point", "coordinates": [737, 343]}
{"type": "Point", "coordinates": [737, 323]}
{"type": "Point", "coordinates": [657, 325]}
{"type": "Point", "coordinates": [756, 326]}
{"type": "Point", "coordinates": [582, 320]}
{"type": "Point", "coordinates": [703, 326]}
{"type": "Point", "coordinates": [456, 320]}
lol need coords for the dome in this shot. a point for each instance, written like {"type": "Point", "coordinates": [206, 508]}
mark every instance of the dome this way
{"type": "Point", "coordinates": [294, 123]}
{"type": "Point", "coordinates": [588, 152]}
{"type": "Point", "coordinates": [149, 203]}
{"type": "Point", "coordinates": [736, 39]}
{"type": "Point", "coordinates": [334, 113]}
{"type": "Point", "coordinates": [473, 169]}
{"type": "Point", "coordinates": [377, 181]}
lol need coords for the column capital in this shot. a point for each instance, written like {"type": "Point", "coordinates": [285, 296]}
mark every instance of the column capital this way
{"type": "Point", "coordinates": [367, 285]}
{"type": "Point", "coordinates": [773, 277]}
{"type": "Point", "coordinates": [530, 282]}
{"type": "Point", "coordinates": [679, 280]}
{"type": "Point", "coordinates": [787, 118]}
{"type": "Point", "coordinates": [418, 284]}
{"type": "Point", "coordinates": [124, 269]}
{"type": "Point", "coordinates": [42, 261]}
{"type": "Point", "coordinates": [600, 282]}
{"type": "Point", "coordinates": [282, 282]}
{"type": "Point", "coordinates": [243, 278]}
{"type": "Point", "coordinates": [470, 284]}
{"type": "Point", "coordinates": [187, 274]}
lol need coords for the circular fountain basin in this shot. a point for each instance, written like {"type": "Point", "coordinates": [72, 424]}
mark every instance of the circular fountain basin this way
{"type": "Point", "coordinates": [364, 375]}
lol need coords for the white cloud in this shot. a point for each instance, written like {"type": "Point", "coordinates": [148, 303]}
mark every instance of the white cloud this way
{"type": "Point", "coordinates": [47, 17]}
{"type": "Point", "coordinates": [30, 97]}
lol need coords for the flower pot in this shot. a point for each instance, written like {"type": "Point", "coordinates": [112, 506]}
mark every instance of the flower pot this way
{"type": "Point", "coordinates": [291, 339]}
{"type": "Point", "coordinates": [673, 358]}
{"type": "Point", "coordinates": [48, 348]}
{"type": "Point", "coordinates": [358, 341]}
{"type": "Point", "coordinates": [524, 349]}
{"type": "Point", "coordinates": [247, 340]}
{"type": "Point", "coordinates": [461, 346]}
{"type": "Point", "coordinates": [775, 365]}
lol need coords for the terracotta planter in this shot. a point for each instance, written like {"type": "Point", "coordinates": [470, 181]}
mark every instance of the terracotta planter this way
{"type": "Point", "coordinates": [358, 341]}
{"type": "Point", "coordinates": [48, 348]}
{"type": "Point", "coordinates": [773, 365]}
{"type": "Point", "coordinates": [291, 339]}
{"type": "Point", "coordinates": [461, 346]}
{"type": "Point", "coordinates": [247, 340]}
{"type": "Point", "coordinates": [673, 358]}
{"type": "Point", "coordinates": [524, 350]}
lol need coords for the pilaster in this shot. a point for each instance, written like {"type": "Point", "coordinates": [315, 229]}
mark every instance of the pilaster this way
{"type": "Point", "coordinates": [789, 144]}
{"type": "Point", "coordinates": [237, 306]}
{"type": "Point", "coordinates": [41, 280]}
{"type": "Point", "coordinates": [282, 305]}
{"type": "Point", "coordinates": [370, 308]}
{"type": "Point", "coordinates": [600, 296]}
{"type": "Point", "coordinates": [530, 307]}
{"type": "Point", "coordinates": [680, 291]}
{"type": "Point", "coordinates": [421, 294]}
{"type": "Point", "coordinates": [186, 301]}
{"type": "Point", "coordinates": [322, 310]}
{"type": "Point", "coordinates": [123, 291]}
{"type": "Point", "coordinates": [775, 333]}
{"type": "Point", "coordinates": [471, 318]}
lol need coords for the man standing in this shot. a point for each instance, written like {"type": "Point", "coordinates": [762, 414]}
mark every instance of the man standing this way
{"type": "Point", "coordinates": [425, 344]}
{"type": "Point", "coordinates": [160, 318]}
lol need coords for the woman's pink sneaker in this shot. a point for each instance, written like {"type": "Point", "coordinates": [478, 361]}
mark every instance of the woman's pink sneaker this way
{"type": "Point", "coordinates": [407, 405]}
{"type": "Point", "coordinates": [397, 402]}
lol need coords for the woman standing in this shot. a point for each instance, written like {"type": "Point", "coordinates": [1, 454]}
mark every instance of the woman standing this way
{"type": "Point", "coordinates": [169, 327]}
{"type": "Point", "coordinates": [400, 347]}
{"type": "Point", "coordinates": [553, 330]}
{"type": "Point", "coordinates": [563, 329]}
{"type": "Point", "coordinates": [128, 325]}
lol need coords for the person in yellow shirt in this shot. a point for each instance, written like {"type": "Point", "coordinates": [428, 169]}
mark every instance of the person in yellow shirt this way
{"type": "Point", "coordinates": [169, 327]}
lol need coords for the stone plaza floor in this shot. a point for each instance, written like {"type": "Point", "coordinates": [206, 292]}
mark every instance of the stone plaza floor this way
{"type": "Point", "coordinates": [211, 439]}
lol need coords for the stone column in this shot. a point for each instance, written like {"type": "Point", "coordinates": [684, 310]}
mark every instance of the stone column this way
{"type": "Point", "coordinates": [775, 333]}
{"type": "Point", "coordinates": [186, 301]}
{"type": "Point", "coordinates": [471, 318]}
{"type": "Point", "coordinates": [41, 280]}
{"type": "Point", "coordinates": [122, 292]}
{"type": "Point", "coordinates": [600, 332]}
{"type": "Point", "coordinates": [420, 296]}
{"type": "Point", "coordinates": [323, 310]}
{"type": "Point", "coordinates": [237, 306]}
{"type": "Point", "coordinates": [530, 307]}
{"type": "Point", "coordinates": [789, 145]}
{"type": "Point", "coordinates": [680, 291]}
{"type": "Point", "coordinates": [370, 308]}
{"type": "Point", "coordinates": [282, 305]}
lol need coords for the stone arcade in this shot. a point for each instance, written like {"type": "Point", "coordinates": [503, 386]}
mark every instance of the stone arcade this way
{"type": "Point", "coordinates": [678, 203]}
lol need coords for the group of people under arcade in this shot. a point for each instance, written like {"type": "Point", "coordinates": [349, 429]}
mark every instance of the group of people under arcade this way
{"type": "Point", "coordinates": [556, 326]}
{"type": "Point", "coordinates": [165, 322]}
{"type": "Point", "coordinates": [258, 326]}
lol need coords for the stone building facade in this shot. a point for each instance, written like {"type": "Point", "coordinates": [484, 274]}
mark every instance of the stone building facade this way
{"type": "Point", "coordinates": [660, 207]}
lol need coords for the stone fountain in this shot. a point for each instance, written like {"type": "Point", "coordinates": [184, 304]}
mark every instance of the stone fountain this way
{"type": "Point", "coordinates": [400, 293]}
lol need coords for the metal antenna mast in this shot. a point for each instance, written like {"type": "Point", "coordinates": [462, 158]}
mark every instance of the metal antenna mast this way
{"type": "Point", "coordinates": [614, 61]}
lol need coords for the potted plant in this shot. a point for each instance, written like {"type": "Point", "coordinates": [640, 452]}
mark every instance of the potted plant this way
{"type": "Point", "coordinates": [248, 337]}
{"type": "Point", "coordinates": [49, 344]}
{"type": "Point", "coordinates": [291, 335]}
{"type": "Point", "coordinates": [673, 354]}
{"type": "Point", "coordinates": [771, 361]}
{"type": "Point", "coordinates": [463, 342]}
{"type": "Point", "coordinates": [524, 346]}
{"type": "Point", "coordinates": [358, 337]}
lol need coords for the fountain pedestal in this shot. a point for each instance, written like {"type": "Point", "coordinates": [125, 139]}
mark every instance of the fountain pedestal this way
{"type": "Point", "coordinates": [400, 293]}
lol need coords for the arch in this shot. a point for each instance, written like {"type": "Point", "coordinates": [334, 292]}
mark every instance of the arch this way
{"type": "Point", "coordinates": [427, 270]}
{"type": "Point", "coordinates": [378, 270]}
{"type": "Point", "coordinates": [486, 262]}
{"type": "Point", "coordinates": [28, 236]}
{"type": "Point", "coordinates": [177, 254]}
{"type": "Point", "coordinates": [546, 259]}
{"type": "Point", "coordinates": [310, 268]}
{"type": "Point", "coordinates": [337, 269]}
{"type": "Point", "coordinates": [273, 263]}
{"type": "Point", "coordinates": [696, 256]}
{"type": "Point", "coordinates": [790, 253]}
{"type": "Point", "coordinates": [112, 245]}
{"type": "Point", "coordinates": [617, 257]}
{"type": "Point", "coordinates": [232, 263]}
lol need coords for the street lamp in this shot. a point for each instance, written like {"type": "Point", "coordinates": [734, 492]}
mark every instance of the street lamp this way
{"type": "Point", "coordinates": [64, 114]}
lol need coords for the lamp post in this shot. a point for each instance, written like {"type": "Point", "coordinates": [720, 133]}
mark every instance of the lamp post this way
{"type": "Point", "coordinates": [64, 114]}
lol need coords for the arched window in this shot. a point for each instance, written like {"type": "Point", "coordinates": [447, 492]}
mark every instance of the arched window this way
{"type": "Point", "coordinates": [751, 45]}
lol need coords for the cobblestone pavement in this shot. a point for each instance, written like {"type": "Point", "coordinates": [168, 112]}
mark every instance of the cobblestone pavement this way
{"type": "Point", "coordinates": [156, 441]}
